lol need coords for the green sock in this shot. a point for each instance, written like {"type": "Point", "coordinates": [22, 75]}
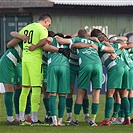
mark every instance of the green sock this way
{"type": "Point", "coordinates": [116, 109]}
{"type": "Point", "coordinates": [16, 100]}
{"type": "Point", "coordinates": [69, 104]}
{"type": "Point", "coordinates": [108, 107]}
{"type": "Point", "coordinates": [28, 105]}
{"type": "Point", "coordinates": [121, 112]}
{"type": "Point", "coordinates": [46, 105]}
{"type": "Point", "coordinates": [131, 104]}
{"type": "Point", "coordinates": [8, 103]}
{"type": "Point", "coordinates": [85, 106]}
{"type": "Point", "coordinates": [61, 106]}
{"type": "Point", "coordinates": [23, 99]}
{"type": "Point", "coordinates": [77, 108]}
{"type": "Point", "coordinates": [125, 106]}
{"type": "Point", "coordinates": [94, 110]}
{"type": "Point", "coordinates": [52, 105]}
{"type": "Point", "coordinates": [35, 99]}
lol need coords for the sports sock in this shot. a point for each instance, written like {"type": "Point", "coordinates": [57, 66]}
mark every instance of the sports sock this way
{"type": "Point", "coordinates": [121, 113]}
{"type": "Point", "coordinates": [23, 99]}
{"type": "Point", "coordinates": [86, 115]}
{"type": "Point", "coordinates": [59, 120]}
{"type": "Point", "coordinates": [94, 110]}
{"type": "Point", "coordinates": [27, 116]}
{"type": "Point", "coordinates": [21, 116]}
{"type": "Point", "coordinates": [22, 102]}
{"type": "Point", "coordinates": [61, 106]}
{"type": "Point", "coordinates": [28, 105]}
{"type": "Point", "coordinates": [35, 99]}
{"type": "Point", "coordinates": [77, 108]}
{"type": "Point", "coordinates": [69, 115]}
{"type": "Point", "coordinates": [17, 117]}
{"type": "Point", "coordinates": [34, 116]}
{"type": "Point", "coordinates": [131, 104]}
{"type": "Point", "coordinates": [10, 118]}
{"type": "Point", "coordinates": [108, 107]}
{"type": "Point", "coordinates": [8, 99]}
{"type": "Point", "coordinates": [54, 120]}
{"type": "Point", "coordinates": [125, 106]}
{"type": "Point", "coordinates": [16, 100]}
{"type": "Point", "coordinates": [69, 104]}
{"type": "Point", "coordinates": [116, 109]}
{"type": "Point", "coordinates": [85, 106]}
{"type": "Point", "coordinates": [52, 105]}
{"type": "Point", "coordinates": [46, 105]}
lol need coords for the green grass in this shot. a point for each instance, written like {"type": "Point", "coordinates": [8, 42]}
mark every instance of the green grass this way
{"type": "Point", "coordinates": [82, 128]}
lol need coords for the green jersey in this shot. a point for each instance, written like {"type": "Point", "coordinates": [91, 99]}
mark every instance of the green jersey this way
{"type": "Point", "coordinates": [74, 57]}
{"type": "Point", "coordinates": [9, 62]}
{"type": "Point", "coordinates": [126, 58]}
{"type": "Point", "coordinates": [36, 32]}
{"type": "Point", "coordinates": [111, 63]}
{"type": "Point", "coordinates": [87, 55]}
{"type": "Point", "coordinates": [131, 52]}
{"type": "Point", "coordinates": [57, 59]}
{"type": "Point", "coordinates": [14, 54]}
{"type": "Point", "coordinates": [45, 57]}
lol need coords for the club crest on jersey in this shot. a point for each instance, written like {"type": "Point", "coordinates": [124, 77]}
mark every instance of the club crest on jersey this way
{"type": "Point", "coordinates": [26, 48]}
{"type": "Point", "coordinates": [89, 51]}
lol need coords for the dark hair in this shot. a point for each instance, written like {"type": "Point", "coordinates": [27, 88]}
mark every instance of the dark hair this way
{"type": "Point", "coordinates": [51, 34]}
{"type": "Point", "coordinates": [44, 16]}
{"type": "Point", "coordinates": [59, 34]}
{"type": "Point", "coordinates": [98, 33]}
{"type": "Point", "coordinates": [95, 32]}
{"type": "Point", "coordinates": [82, 33]}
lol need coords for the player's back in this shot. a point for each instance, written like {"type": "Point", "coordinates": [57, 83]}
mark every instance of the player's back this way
{"type": "Point", "coordinates": [36, 32]}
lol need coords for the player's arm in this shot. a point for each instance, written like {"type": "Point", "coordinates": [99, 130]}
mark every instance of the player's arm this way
{"type": "Point", "coordinates": [50, 48]}
{"type": "Point", "coordinates": [113, 55]}
{"type": "Point", "coordinates": [75, 34]}
{"type": "Point", "coordinates": [107, 48]}
{"type": "Point", "coordinates": [19, 36]}
{"type": "Point", "coordinates": [13, 42]}
{"type": "Point", "coordinates": [122, 45]}
{"type": "Point", "coordinates": [83, 45]}
{"type": "Point", "coordinates": [123, 38]}
{"type": "Point", "coordinates": [94, 39]}
{"type": "Point", "coordinates": [41, 43]}
{"type": "Point", "coordinates": [61, 40]}
{"type": "Point", "coordinates": [129, 45]}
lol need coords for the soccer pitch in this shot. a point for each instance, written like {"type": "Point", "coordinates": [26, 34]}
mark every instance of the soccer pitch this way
{"type": "Point", "coordinates": [82, 128]}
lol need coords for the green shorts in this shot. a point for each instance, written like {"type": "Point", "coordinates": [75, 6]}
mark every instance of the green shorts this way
{"type": "Point", "coordinates": [74, 71]}
{"type": "Point", "coordinates": [118, 78]}
{"type": "Point", "coordinates": [7, 69]}
{"type": "Point", "coordinates": [44, 67]}
{"type": "Point", "coordinates": [32, 73]}
{"type": "Point", "coordinates": [93, 73]}
{"type": "Point", "coordinates": [18, 74]}
{"type": "Point", "coordinates": [58, 79]}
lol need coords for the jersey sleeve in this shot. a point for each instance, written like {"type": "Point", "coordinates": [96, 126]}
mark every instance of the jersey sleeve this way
{"type": "Point", "coordinates": [73, 40]}
{"type": "Point", "coordinates": [116, 46]}
{"type": "Point", "coordinates": [100, 46]}
{"type": "Point", "coordinates": [43, 33]}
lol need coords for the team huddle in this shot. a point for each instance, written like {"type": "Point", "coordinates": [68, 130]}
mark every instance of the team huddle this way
{"type": "Point", "coordinates": [41, 61]}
